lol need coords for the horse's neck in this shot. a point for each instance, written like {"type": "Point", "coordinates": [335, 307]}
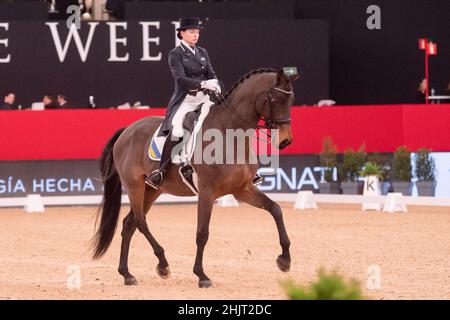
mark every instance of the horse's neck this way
{"type": "Point", "coordinates": [227, 116]}
{"type": "Point", "coordinates": [239, 112]}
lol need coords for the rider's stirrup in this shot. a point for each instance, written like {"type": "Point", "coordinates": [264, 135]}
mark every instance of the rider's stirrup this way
{"type": "Point", "coordinates": [257, 180]}
{"type": "Point", "coordinates": [187, 175]}
{"type": "Point", "coordinates": [154, 179]}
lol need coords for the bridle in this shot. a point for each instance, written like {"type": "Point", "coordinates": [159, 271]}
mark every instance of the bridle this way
{"type": "Point", "coordinates": [271, 122]}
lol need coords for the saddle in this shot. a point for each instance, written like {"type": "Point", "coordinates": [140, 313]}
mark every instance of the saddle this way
{"type": "Point", "coordinates": [192, 123]}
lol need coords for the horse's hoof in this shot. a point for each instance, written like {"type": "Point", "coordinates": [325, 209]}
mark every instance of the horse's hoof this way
{"type": "Point", "coordinates": [163, 273]}
{"type": "Point", "coordinates": [205, 283]}
{"type": "Point", "coordinates": [131, 281]}
{"type": "Point", "coordinates": [284, 264]}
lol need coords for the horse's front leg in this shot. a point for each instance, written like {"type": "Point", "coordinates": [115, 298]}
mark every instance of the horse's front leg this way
{"type": "Point", "coordinates": [251, 195]}
{"type": "Point", "coordinates": [204, 209]}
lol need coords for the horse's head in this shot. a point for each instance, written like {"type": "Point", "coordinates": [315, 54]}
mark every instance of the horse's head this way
{"type": "Point", "coordinates": [276, 106]}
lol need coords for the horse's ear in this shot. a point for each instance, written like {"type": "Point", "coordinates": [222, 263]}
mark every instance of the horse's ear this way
{"type": "Point", "coordinates": [280, 76]}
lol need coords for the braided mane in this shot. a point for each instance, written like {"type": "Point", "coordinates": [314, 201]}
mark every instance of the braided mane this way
{"type": "Point", "coordinates": [246, 76]}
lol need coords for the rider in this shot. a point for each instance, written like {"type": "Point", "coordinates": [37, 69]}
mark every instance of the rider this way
{"type": "Point", "coordinates": [192, 72]}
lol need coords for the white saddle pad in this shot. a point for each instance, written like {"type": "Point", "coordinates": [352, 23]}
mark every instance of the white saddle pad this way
{"type": "Point", "coordinates": [157, 143]}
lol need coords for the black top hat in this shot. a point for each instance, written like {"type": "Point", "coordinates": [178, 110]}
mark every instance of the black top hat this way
{"type": "Point", "coordinates": [189, 23]}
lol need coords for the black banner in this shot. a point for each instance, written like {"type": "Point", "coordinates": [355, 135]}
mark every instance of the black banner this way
{"type": "Point", "coordinates": [118, 62]}
{"type": "Point", "coordinates": [23, 10]}
{"type": "Point", "coordinates": [49, 178]}
{"type": "Point", "coordinates": [82, 177]}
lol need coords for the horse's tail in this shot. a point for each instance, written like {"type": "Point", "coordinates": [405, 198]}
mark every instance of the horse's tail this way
{"type": "Point", "coordinates": [111, 202]}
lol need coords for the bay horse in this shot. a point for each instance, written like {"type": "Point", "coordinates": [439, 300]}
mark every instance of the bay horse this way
{"type": "Point", "coordinates": [262, 94]}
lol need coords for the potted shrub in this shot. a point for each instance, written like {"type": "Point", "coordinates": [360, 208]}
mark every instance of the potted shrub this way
{"type": "Point", "coordinates": [402, 171]}
{"type": "Point", "coordinates": [425, 172]}
{"type": "Point", "coordinates": [382, 162]}
{"type": "Point", "coordinates": [349, 170]}
{"type": "Point", "coordinates": [371, 169]}
{"type": "Point", "coordinates": [327, 158]}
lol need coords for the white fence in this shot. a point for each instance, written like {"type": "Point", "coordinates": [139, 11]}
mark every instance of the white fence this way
{"type": "Point", "coordinates": [279, 197]}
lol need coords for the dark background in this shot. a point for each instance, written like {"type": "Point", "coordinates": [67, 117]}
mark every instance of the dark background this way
{"type": "Point", "coordinates": [35, 67]}
{"type": "Point", "coordinates": [383, 66]}
{"type": "Point", "coordinates": [233, 10]}
{"type": "Point", "coordinates": [366, 66]}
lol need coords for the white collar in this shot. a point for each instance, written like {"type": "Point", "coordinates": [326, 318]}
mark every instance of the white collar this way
{"type": "Point", "coordinates": [188, 46]}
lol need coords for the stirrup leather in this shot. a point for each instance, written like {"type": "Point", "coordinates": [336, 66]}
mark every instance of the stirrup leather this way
{"type": "Point", "coordinates": [188, 174]}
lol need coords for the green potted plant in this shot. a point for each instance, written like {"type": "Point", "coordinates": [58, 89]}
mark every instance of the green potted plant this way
{"type": "Point", "coordinates": [383, 163]}
{"type": "Point", "coordinates": [328, 161]}
{"type": "Point", "coordinates": [402, 171]}
{"type": "Point", "coordinates": [352, 164]}
{"type": "Point", "coordinates": [425, 172]}
{"type": "Point", "coordinates": [372, 170]}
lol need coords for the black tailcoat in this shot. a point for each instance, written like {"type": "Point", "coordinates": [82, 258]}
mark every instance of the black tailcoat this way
{"type": "Point", "coordinates": [188, 71]}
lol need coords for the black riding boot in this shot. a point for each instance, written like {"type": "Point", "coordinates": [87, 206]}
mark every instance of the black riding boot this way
{"type": "Point", "coordinates": [155, 178]}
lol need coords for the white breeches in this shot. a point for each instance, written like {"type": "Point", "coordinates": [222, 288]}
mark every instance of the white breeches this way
{"type": "Point", "coordinates": [189, 104]}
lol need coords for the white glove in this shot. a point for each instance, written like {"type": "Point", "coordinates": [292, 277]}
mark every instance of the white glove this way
{"type": "Point", "coordinates": [211, 84]}
{"type": "Point", "coordinates": [219, 88]}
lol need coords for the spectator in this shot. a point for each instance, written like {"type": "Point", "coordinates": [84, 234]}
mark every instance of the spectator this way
{"type": "Point", "coordinates": [62, 102]}
{"type": "Point", "coordinates": [422, 91]}
{"type": "Point", "coordinates": [49, 102]}
{"type": "Point", "coordinates": [8, 101]}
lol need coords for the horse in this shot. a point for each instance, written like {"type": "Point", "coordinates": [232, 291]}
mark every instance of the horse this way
{"type": "Point", "coordinates": [262, 94]}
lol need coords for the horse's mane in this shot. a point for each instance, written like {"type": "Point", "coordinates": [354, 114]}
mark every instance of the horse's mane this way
{"type": "Point", "coordinates": [246, 76]}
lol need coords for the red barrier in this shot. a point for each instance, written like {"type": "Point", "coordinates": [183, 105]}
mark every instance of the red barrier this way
{"type": "Point", "coordinates": [81, 134]}
{"type": "Point", "coordinates": [382, 128]}
{"type": "Point", "coordinates": [62, 134]}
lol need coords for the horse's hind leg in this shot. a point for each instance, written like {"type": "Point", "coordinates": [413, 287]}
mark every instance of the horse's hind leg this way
{"type": "Point", "coordinates": [251, 195]}
{"type": "Point", "coordinates": [204, 209]}
{"type": "Point", "coordinates": [163, 266]}
{"type": "Point", "coordinates": [141, 199]}
{"type": "Point", "coordinates": [128, 229]}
